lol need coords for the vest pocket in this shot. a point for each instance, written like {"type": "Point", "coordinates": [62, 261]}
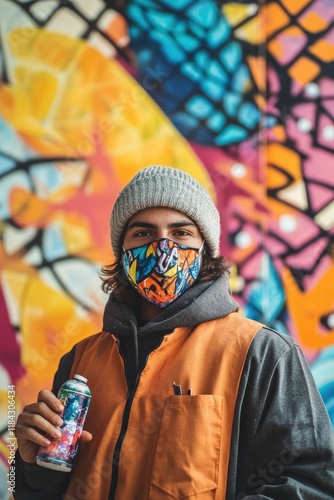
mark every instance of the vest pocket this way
{"type": "Point", "coordinates": [186, 461]}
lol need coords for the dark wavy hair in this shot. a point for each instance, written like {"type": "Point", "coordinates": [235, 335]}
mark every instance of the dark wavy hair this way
{"type": "Point", "coordinates": [113, 279]}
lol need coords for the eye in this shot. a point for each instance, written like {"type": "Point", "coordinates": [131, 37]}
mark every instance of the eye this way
{"type": "Point", "coordinates": [144, 233]}
{"type": "Point", "coordinates": [181, 232]}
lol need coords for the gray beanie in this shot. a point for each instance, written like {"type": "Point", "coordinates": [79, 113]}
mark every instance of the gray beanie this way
{"type": "Point", "coordinates": [158, 186]}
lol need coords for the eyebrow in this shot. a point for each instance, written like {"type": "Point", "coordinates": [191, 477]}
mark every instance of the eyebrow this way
{"type": "Point", "coordinates": [172, 225]}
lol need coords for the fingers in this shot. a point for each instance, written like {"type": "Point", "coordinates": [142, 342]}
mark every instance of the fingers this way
{"type": "Point", "coordinates": [30, 434]}
{"type": "Point", "coordinates": [38, 413]}
{"type": "Point", "coordinates": [40, 418]}
{"type": "Point", "coordinates": [50, 399]}
{"type": "Point", "coordinates": [44, 421]}
{"type": "Point", "coordinates": [39, 422]}
{"type": "Point", "coordinates": [86, 436]}
{"type": "Point", "coordinates": [43, 410]}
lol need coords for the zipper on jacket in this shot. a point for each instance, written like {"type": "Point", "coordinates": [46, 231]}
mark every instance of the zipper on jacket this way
{"type": "Point", "coordinates": [119, 442]}
{"type": "Point", "coordinates": [125, 421]}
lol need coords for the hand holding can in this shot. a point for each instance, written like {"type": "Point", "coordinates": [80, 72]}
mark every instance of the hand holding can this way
{"type": "Point", "coordinates": [75, 396]}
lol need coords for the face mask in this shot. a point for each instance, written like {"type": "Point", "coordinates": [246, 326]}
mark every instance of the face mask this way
{"type": "Point", "coordinates": [162, 270]}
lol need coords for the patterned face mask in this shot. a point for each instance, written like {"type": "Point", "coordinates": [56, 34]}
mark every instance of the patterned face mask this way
{"type": "Point", "coordinates": [162, 270]}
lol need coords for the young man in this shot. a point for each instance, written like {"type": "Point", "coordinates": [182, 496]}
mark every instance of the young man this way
{"type": "Point", "coordinates": [189, 398]}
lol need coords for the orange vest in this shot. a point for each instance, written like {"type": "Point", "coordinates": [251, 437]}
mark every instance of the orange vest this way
{"type": "Point", "coordinates": [174, 446]}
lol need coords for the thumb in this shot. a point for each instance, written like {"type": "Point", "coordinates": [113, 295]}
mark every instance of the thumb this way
{"type": "Point", "coordinates": [86, 436]}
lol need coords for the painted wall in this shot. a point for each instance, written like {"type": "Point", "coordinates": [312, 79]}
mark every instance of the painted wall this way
{"type": "Point", "coordinates": [239, 94]}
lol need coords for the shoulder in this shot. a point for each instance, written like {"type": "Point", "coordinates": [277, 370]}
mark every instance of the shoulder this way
{"type": "Point", "coordinates": [279, 337]}
{"type": "Point", "coordinates": [267, 347]}
{"type": "Point", "coordinates": [91, 342]}
{"type": "Point", "coordinates": [66, 361]}
{"type": "Point", "coordinates": [273, 355]}
{"type": "Point", "coordinates": [84, 345]}
{"type": "Point", "coordinates": [268, 340]}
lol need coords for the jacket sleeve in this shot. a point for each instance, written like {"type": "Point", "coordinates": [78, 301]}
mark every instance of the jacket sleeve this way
{"type": "Point", "coordinates": [286, 446]}
{"type": "Point", "coordinates": [33, 482]}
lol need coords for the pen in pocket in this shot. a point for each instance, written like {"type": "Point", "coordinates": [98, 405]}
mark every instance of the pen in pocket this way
{"type": "Point", "coordinates": [177, 389]}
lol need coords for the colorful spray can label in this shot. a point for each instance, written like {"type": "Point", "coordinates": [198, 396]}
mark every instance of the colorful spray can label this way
{"type": "Point", "coordinates": [75, 396]}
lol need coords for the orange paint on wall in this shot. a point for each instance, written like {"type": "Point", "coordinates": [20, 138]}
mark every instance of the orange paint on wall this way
{"type": "Point", "coordinates": [295, 6]}
{"type": "Point", "coordinates": [260, 101]}
{"type": "Point", "coordinates": [28, 209]}
{"type": "Point", "coordinates": [304, 70]}
{"type": "Point", "coordinates": [323, 50]}
{"type": "Point", "coordinates": [286, 160]}
{"type": "Point", "coordinates": [274, 18]}
{"type": "Point", "coordinates": [279, 133]}
{"type": "Point", "coordinates": [258, 69]}
{"type": "Point", "coordinates": [306, 309]}
{"type": "Point", "coordinates": [277, 47]}
{"type": "Point", "coordinates": [312, 22]}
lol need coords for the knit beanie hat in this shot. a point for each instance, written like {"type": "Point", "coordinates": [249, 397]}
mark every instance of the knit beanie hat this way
{"type": "Point", "coordinates": [158, 186]}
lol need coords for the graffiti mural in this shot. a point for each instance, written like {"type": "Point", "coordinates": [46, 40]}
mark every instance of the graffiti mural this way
{"type": "Point", "coordinates": [239, 94]}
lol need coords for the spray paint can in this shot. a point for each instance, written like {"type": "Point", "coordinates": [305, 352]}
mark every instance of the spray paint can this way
{"type": "Point", "coordinates": [75, 396]}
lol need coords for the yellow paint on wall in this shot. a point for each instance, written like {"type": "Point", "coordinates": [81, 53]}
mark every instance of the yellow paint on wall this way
{"type": "Point", "coordinates": [91, 99]}
{"type": "Point", "coordinates": [50, 326]}
{"type": "Point", "coordinates": [251, 32]}
{"type": "Point", "coordinates": [236, 13]}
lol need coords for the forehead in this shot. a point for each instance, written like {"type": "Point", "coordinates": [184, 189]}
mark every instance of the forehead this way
{"type": "Point", "coordinates": [159, 216]}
